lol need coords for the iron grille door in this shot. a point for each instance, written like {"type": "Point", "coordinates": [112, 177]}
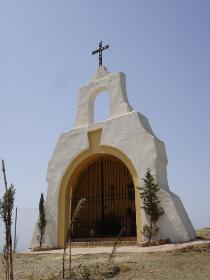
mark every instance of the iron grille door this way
{"type": "Point", "coordinates": [107, 185]}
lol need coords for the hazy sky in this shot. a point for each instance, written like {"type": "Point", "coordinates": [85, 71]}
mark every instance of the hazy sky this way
{"type": "Point", "coordinates": [162, 46]}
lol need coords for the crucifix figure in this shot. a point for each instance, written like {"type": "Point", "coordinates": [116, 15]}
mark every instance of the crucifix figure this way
{"type": "Point", "coordinates": [99, 51]}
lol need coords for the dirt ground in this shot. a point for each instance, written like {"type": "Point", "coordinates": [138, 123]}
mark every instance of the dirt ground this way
{"type": "Point", "coordinates": [192, 262]}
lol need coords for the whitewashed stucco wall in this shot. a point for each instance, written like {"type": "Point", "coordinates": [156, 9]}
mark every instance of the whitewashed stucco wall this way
{"type": "Point", "coordinates": [129, 132]}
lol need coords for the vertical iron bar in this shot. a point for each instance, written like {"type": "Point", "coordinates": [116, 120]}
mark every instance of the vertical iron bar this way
{"type": "Point", "coordinates": [82, 227]}
{"type": "Point", "coordinates": [119, 192]}
{"type": "Point", "coordinates": [93, 191]}
{"type": "Point", "coordinates": [89, 201]}
{"type": "Point", "coordinates": [82, 216]}
{"type": "Point", "coordinates": [101, 191]}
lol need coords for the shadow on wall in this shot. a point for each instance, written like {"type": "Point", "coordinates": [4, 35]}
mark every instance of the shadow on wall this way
{"type": "Point", "coordinates": [178, 227]}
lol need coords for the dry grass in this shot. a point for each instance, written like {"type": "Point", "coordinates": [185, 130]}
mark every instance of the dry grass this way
{"type": "Point", "coordinates": [84, 272]}
{"type": "Point", "coordinates": [185, 264]}
{"type": "Point", "coordinates": [203, 233]}
{"type": "Point", "coordinates": [202, 248]}
{"type": "Point", "coordinates": [191, 263]}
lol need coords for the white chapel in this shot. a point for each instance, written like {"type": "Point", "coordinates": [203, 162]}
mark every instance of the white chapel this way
{"type": "Point", "coordinates": [105, 162]}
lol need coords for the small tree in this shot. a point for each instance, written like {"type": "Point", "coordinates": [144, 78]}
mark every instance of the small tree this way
{"type": "Point", "coordinates": [42, 221]}
{"type": "Point", "coordinates": [6, 208]}
{"type": "Point", "coordinates": [150, 205]}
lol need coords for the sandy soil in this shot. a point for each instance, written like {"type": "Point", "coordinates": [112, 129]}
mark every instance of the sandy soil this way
{"type": "Point", "coordinates": [192, 263]}
{"type": "Point", "coordinates": [187, 261]}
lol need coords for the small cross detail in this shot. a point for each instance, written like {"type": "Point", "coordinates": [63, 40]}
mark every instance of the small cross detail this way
{"type": "Point", "coordinates": [99, 51]}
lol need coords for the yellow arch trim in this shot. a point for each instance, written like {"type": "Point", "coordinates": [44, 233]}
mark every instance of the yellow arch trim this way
{"type": "Point", "coordinates": [73, 170]}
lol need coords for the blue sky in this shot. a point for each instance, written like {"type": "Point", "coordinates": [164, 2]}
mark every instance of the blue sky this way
{"type": "Point", "coordinates": [162, 46]}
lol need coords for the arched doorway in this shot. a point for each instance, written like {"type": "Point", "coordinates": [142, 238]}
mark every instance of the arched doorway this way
{"type": "Point", "coordinates": [107, 184]}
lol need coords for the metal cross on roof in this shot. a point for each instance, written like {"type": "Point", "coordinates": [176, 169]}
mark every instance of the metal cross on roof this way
{"type": "Point", "coordinates": [99, 51]}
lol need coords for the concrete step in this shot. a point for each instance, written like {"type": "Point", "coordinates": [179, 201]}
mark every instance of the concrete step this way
{"type": "Point", "coordinates": [102, 242]}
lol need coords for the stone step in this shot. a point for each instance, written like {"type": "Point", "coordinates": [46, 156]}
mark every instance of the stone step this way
{"type": "Point", "coordinates": [100, 242]}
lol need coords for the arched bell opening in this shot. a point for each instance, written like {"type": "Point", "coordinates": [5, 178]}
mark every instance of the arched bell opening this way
{"type": "Point", "coordinates": [108, 187]}
{"type": "Point", "coordinates": [99, 96]}
{"type": "Point", "coordinates": [101, 113]}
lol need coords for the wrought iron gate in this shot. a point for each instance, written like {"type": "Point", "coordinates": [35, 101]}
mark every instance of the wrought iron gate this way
{"type": "Point", "coordinates": [107, 185]}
